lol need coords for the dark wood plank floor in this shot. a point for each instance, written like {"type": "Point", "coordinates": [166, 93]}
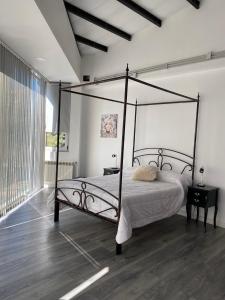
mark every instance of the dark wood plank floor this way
{"type": "Point", "coordinates": [165, 260]}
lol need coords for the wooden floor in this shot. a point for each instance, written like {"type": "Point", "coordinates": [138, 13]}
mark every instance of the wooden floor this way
{"type": "Point", "coordinates": [165, 260]}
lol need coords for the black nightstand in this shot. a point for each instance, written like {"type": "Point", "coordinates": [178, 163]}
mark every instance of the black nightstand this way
{"type": "Point", "coordinates": [111, 171]}
{"type": "Point", "coordinates": [205, 197]}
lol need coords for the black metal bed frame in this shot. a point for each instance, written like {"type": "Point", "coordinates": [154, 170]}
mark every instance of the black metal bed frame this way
{"type": "Point", "coordinates": [160, 154]}
{"type": "Point", "coordinates": [82, 192]}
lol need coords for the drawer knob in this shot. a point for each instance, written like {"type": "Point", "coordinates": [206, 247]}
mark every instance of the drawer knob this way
{"type": "Point", "coordinates": [197, 194]}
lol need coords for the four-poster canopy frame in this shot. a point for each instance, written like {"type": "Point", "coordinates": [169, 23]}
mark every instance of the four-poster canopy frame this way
{"type": "Point", "coordinates": [160, 155]}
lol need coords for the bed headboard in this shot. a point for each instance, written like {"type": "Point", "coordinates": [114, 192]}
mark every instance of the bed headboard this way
{"type": "Point", "coordinates": [163, 158]}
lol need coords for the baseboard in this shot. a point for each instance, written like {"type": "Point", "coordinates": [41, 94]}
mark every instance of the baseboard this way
{"type": "Point", "coordinates": [219, 223]}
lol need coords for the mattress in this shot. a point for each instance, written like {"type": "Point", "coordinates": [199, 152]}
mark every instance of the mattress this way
{"type": "Point", "coordinates": [142, 202]}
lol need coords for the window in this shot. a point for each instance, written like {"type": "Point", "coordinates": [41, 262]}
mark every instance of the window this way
{"type": "Point", "coordinates": [51, 141]}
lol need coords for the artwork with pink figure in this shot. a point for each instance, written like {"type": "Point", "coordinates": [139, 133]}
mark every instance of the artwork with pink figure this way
{"type": "Point", "coordinates": [109, 125]}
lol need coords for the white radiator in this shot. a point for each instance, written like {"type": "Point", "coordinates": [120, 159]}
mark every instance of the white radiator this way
{"type": "Point", "coordinates": [66, 170]}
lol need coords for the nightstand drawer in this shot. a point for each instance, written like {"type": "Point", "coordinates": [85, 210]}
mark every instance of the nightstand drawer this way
{"type": "Point", "coordinates": [106, 172]}
{"type": "Point", "coordinates": [111, 171]}
{"type": "Point", "coordinates": [197, 197]}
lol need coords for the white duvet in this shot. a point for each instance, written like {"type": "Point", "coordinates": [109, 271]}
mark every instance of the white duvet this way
{"type": "Point", "coordinates": [142, 202]}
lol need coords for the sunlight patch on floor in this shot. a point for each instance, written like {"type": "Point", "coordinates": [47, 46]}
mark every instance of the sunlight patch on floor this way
{"type": "Point", "coordinates": [80, 288]}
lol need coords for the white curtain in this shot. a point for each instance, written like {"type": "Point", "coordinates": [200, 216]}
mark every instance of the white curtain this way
{"type": "Point", "coordinates": [22, 131]}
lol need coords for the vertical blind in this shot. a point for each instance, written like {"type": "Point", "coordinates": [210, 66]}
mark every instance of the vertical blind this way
{"type": "Point", "coordinates": [22, 128]}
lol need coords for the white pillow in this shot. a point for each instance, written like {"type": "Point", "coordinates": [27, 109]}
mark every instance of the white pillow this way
{"type": "Point", "coordinates": [145, 173]}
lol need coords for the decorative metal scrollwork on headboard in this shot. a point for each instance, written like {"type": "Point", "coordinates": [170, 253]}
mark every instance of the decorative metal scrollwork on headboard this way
{"type": "Point", "coordinates": [161, 156]}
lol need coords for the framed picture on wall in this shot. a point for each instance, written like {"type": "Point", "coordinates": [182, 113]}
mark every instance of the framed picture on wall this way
{"type": "Point", "coordinates": [109, 123]}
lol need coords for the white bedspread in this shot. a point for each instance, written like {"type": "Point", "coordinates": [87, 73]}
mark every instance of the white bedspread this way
{"type": "Point", "coordinates": [142, 202]}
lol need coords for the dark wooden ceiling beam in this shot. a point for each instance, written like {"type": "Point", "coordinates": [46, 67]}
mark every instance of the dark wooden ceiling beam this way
{"type": "Point", "coordinates": [141, 11]}
{"type": "Point", "coordinates": [94, 20]}
{"type": "Point", "coordinates": [195, 3]}
{"type": "Point", "coordinates": [83, 40]}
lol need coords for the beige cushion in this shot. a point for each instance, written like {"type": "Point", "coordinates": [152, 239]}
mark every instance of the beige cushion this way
{"type": "Point", "coordinates": [145, 173]}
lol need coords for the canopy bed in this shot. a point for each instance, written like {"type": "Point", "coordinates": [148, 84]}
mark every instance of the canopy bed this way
{"type": "Point", "coordinates": [113, 198]}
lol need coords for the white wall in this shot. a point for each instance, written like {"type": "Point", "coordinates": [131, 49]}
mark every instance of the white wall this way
{"type": "Point", "coordinates": [171, 126]}
{"type": "Point", "coordinates": [74, 138]}
{"type": "Point", "coordinates": [96, 152]}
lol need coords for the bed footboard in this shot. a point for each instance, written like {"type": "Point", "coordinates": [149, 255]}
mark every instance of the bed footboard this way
{"type": "Point", "coordinates": [83, 196]}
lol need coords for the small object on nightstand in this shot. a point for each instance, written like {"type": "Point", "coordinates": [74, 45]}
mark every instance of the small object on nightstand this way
{"type": "Point", "coordinates": [201, 171]}
{"type": "Point", "coordinates": [115, 156]}
{"type": "Point", "coordinates": [111, 171]}
{"type": "Point", "coordinates": [204, 197]}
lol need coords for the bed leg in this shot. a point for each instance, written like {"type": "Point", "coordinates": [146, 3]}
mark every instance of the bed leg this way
{"type": "Point", "coordinates": [56, 211]}
{"type": "Point", "coordinates": [118, 249]}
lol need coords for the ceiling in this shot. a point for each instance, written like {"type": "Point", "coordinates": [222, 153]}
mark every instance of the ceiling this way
{"type": "Point", "coordinates": [27, 31]}
{"type": "Point", "coordinates": [120, 16]}
{"type": "Point", "coordinates": [24, 29]}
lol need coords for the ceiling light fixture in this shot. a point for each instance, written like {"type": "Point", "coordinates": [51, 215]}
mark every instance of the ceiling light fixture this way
{"type": "Point", "coordinates": [40, 58]}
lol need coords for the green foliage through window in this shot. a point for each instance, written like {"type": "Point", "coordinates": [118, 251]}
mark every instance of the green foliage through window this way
{"type": "Point", "coordinates": [51, 140]}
